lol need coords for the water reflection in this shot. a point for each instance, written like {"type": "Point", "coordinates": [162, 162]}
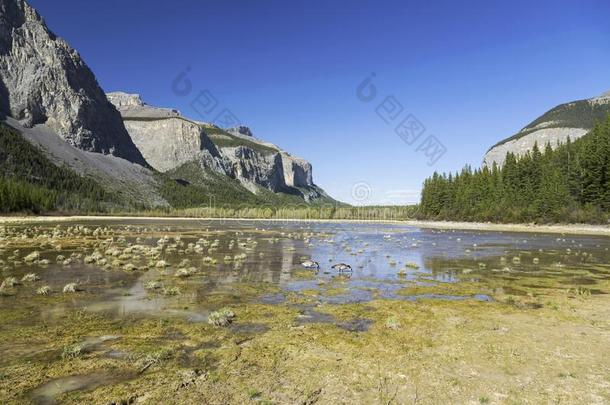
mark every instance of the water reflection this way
{"type": "Point", "coordinates": [385, 258]}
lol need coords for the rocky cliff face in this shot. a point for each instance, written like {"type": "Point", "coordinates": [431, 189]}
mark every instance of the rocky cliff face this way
{"type": "Point", "coordinates": [168, 140]}
{"type": "Point", "coordinates": [44, 81]}
{"type": "Point", "coordinates": [572, 120]}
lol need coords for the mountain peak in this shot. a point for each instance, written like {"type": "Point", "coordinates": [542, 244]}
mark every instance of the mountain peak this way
{"type": "Point", "coordinates": [241, 130]}
{"type": "Point", "coordinates": [122, 99]}
{"type": "Point", "coordinates": [63, 94]}
{"type": "Point", "coordinates": [571, 120]}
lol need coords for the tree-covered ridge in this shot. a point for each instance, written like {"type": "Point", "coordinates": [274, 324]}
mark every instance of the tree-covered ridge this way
{"type": "Point", "coordinates": [29, 181]}
{"type": "Point", "coordinates": [570, 183]}
{"type": "Point", "coordinates": [577, 114]}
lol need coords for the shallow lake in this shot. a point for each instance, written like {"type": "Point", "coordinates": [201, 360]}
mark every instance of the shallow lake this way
{"type": "Point", "coordinates": [231, 255]}
{"type": "Point", "coordinates": [186, 269]}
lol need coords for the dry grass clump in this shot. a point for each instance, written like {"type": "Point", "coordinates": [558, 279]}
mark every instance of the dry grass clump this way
{"type": "Point", "coordinates": [392, 323]}
{"type": "Point", "coordinates": [10, 282]}
{"type": "Point", "coordinates": [44, 290]}
{"type": "Point", "coordinates": [171, 291]}
{"type": "Point", "coordinates": [221, 318]}
{"type": "Point", "coordinates": [70, 288]}
{"type": "Point", "coordinates": [153, 285]}
{"type": "Point", "coordinates": [30, 278]}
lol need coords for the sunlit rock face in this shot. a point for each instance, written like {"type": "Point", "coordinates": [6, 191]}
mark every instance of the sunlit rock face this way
{"type": "Point", "coordinates": [554, 136]}
{"type": "Point", "coordinates": [571, 120]}
{"type": "Point", "coordinates": [168, 140]}
{"type": "Point", "coordinates": [44, 81]}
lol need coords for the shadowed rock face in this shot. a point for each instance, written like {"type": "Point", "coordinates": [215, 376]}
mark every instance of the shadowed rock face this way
{"type": "Point", "coordinates": [45, 81]}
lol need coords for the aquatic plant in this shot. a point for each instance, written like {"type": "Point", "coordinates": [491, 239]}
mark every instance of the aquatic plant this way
{"type": "Point", "coordinates": [9, 282]}
{"type": "Point", "coordinates": [130, 267]}
{"type": "Point", "coordinates": [580, 292]}
{"type": "Point", "coordinates": [44, 290]}
{"type": "Point", "coordinates": [221, 318]}
{"type": "Point", "coordinates": [32, 257]}
{"type": "Point", "coordinates": [171, 291]}
{"type": "Point", "coordinates": [240, 257]}
{"type": "Point", "coordinates": [73, 351]}
{"type": "Point", "coordinates": [156, 357]}
{"type": "Point", "coordinates": [161, 264]}
{"type": "Point", "coordinates": [113, 252]}
{"type": "Point", "coordinates": [253, 393]}
{"type": "Point", "coordinates": [392, 323]}
{"type": "Point", "coordinates": [29, 278]}
{"type": "Point", "coordinates": [153, 285]}
{"type": "Point", "coordinates": [412, 265]}
{"type": "Point", "coordinates": [70, 288]}
{"type": "Point", "coordinates": [183, 273]}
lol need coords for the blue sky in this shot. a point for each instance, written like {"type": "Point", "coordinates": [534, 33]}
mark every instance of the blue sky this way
{"type": "Point", "coordinates": [472, 72]}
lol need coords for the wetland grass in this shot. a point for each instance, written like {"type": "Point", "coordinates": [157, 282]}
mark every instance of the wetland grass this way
{"type": "Point", "coordinates": [44, 290]}
{"type": "Point", "coordinates": [221, 318]}
{"type": "Point", "coordinates": [70, 288]}
{"type": "Point", "coordinates": [410, 345]}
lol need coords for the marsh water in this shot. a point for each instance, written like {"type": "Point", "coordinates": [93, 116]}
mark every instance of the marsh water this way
{"type": "Point", "coordinates": [385, 258]}
{"type": "Point", "coordinates": [213, 264]}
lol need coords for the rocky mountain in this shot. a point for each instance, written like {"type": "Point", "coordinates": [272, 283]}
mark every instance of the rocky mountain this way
{"type": "Point", "coordinates": [50, 98]}
{"type": "Point", "coordinates": [44, 81]}
{"type": "Point", "coordinates": [169, 140]}
{"type": "Point", "coordinates": [572, 120]}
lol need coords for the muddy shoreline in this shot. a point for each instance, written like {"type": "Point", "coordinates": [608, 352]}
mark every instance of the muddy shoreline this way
{"type": "Point", "coordinates": [572, 229]}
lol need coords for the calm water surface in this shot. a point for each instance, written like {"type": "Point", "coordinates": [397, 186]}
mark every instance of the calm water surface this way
{"type": "Point", "coordinates": [385, 259]}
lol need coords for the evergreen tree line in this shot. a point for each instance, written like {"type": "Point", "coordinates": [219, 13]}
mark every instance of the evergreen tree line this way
{"type": "Point", "coordinates": [568, 184]}
{"type": "Point", "coordinates": [30, 182]}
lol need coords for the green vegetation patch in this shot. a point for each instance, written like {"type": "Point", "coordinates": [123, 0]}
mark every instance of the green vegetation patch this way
{"type": "Point", "coordinates": [30, 182]}
{"type": "Point", "coordinates": [578, 114]}
{"type": "Point", "coordinates": [223, 139]}
{"type": "Point", "coordinates": [568, 184]}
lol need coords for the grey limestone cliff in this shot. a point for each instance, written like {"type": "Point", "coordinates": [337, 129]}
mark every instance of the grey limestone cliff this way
{"type": "Point", "coordinates": [44, 81]}
{"type": "Point", "coordinates": [168, 140]}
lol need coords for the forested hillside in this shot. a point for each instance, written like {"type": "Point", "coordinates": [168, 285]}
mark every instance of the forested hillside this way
{"type": "Point", "coordinates": [31, 182]}
{"type": "Point", "coordinates": [569, 184]}
{"type": "Point", "coordinates": [577, 114]}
